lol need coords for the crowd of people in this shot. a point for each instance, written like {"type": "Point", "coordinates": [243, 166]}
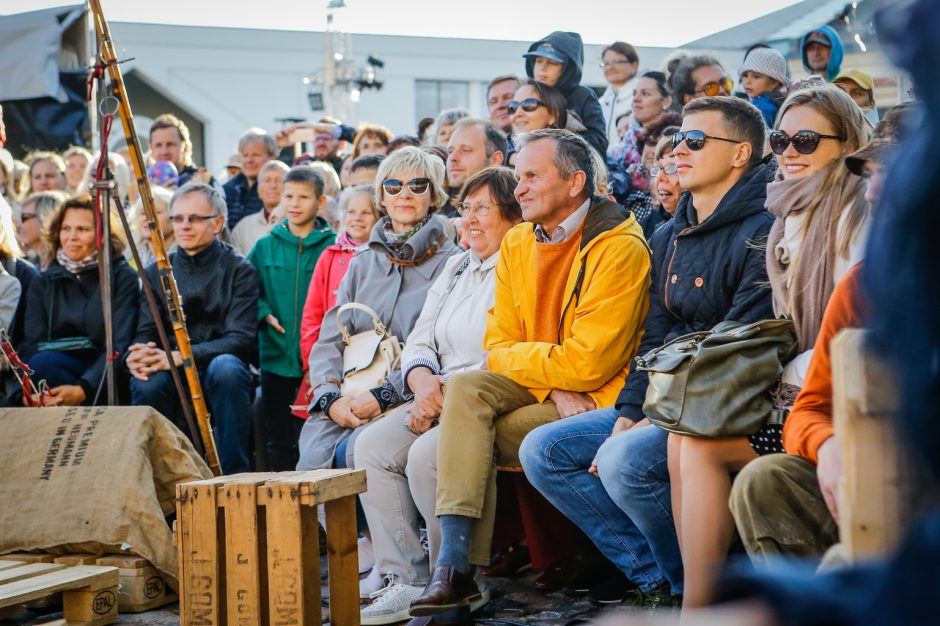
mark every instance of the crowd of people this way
{"type": "Point", "coordinates": [432, 307]}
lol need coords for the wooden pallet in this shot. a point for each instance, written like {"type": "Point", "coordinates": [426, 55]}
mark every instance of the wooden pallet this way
{"type": "Point", "coordinates": [141, 587]}
{"type": "Point", "coordinates": [249, 548]}
{"type": "Point", "coordinates": [89, 592]}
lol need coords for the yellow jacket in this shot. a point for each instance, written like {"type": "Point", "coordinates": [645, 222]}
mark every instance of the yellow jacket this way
{"type": "Point", "coordinates": [602, 318]}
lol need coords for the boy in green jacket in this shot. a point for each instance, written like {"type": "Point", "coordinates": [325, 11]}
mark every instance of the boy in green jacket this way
{"type": "Point", "coordinates": [285, 259]}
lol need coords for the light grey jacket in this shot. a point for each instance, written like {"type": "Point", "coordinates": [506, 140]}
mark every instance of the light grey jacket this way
{"type": "Point", "coordinates": [396, 293]}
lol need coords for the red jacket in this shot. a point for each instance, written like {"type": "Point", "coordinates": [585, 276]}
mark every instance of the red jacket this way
{"type": "Point", "coordinates": [321, 296]}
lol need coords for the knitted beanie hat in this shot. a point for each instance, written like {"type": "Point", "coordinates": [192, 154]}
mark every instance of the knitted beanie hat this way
{"type": "Point", "coordinates": [768, 62]}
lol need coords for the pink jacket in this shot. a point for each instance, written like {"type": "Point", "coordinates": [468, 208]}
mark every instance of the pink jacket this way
{"type": "Point", "coordinates": [321, 296]}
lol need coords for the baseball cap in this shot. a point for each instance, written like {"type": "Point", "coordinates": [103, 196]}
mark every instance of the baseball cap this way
{"type": "Point", "coordinates": [857, 76]}
{"type": "Point", "coordinates": [548, 51]}
{"type": "Point", "coordinates": [819, 37]}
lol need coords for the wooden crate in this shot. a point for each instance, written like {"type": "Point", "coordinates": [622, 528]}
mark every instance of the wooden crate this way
{"type": "Point", "coordinates": [141, 586]}
{"type": "Point", "coordinates": [89, 593]}
{"type": "Point", "coordinates": [249, 548]}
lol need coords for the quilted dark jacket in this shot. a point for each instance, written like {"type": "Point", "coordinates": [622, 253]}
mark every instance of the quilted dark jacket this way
{"type": "Point", "coordinates": [705, 273]}
{"type": "Point", "coordinates": [241, 199]}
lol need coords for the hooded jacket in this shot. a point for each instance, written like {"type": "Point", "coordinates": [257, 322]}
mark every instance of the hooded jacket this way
{"type": "Point", "coordinates": [601, 320]}
{"type": "Point", "coordinates": [285, 264]}
{"type": "Point", "coordinates": [705, 273]}
{"type": "Point", "coordinates": [581, 100]}
{"type": "Point", "coordinates": [61, 305]}
{"type": "Point", "coordinates": [835, 57]}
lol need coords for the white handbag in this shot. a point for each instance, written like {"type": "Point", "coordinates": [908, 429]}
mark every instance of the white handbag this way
{"type": "Point", "coordinates": [368, 357]}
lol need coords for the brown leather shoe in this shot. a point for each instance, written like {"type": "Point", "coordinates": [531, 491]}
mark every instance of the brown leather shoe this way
{"type": "Point", "coordinates": [508, 562]}
{"type": "Point", "coordinates": [447, 589]}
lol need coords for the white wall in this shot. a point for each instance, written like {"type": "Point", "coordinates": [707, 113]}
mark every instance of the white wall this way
{"type": "Point", "coordinates": [233, 79]}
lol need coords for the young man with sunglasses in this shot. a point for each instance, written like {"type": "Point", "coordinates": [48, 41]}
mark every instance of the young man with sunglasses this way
{"type": "Point", "coordinates": [219, 291]}
{"type": "Point", "coordinates": [708, 266]}
{"type": "Point", "coordinates": [699, 76]}
{"type": "Point", "coordinates": [571, 289]}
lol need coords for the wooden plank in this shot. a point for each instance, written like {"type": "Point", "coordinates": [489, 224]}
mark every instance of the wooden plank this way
{"type": "Point", "coordinates": [320, 486]}
{"type": "Point", "coordinates": [64, 578]}
{"type": "Point", "coordinates": [202, 573]}
{"type": "Point", "coordinates": [30, 557]}
{"type": "Point", "coordinates": [4, 565]}
{"type": "Point", "coordinates": [30, 570]}
{"type": "Point", "coordinates": [141, 586]}
{"type": "Point", "coordinates": [77, 559]}
{"type": "Point", "coordinates": [875, 491]}
{"type": "Point", "coordinates": [124, 561]}
{"type": "Point", "coordinates": [245, 555]}
{"type": "Point", "coordinates": [342, 554]}
{"type": "Point", "coordinates": [293, 562]}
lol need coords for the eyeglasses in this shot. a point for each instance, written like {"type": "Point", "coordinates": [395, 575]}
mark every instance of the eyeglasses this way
{"type": "Point", "coordinates": [695, 139]}
{"type": "Point", "coordinates": [669, 169]}
{"type": "Point", "coordinates": [528, 105]}
{"type": "Point", "coordinates": [25, 217]}
{"type": "Point", "coordinates": [714, 87]}
{"type": "Point", "coordinates": [193, 219]}
{"type": "Point", "coordinates": [606, 64]}
{"type": "Point", "coordinates": [481, 209]}
{"type": "Point", "coordinates": [804, 141]}
{"type": "Point", "coordinates": [417, 186]}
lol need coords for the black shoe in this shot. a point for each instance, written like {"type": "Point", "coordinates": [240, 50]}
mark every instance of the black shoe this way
{"type": "Point", "coordinates": [657, 598]}
{"type": "Point", "coordinates": [612, 589]}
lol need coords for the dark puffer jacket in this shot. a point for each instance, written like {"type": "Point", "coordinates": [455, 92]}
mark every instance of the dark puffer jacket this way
{"type": "Point", "coordinates": [219, 291]}
{"type": "Point", "coordinates": [241, 199]}
{"type": "Point", "coordinates": [581, 100]}
{"type": "Point", "coordinates": [705, 273]}
{"type": "Point", "coordinates": [62, 305]}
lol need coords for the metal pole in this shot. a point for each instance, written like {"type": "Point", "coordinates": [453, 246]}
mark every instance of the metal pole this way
{"type": "Point", "coordinates": [106, 186]}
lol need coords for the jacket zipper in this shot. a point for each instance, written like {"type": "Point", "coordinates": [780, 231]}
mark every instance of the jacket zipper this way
{"type": "Point", "coordinates": [300, 248]}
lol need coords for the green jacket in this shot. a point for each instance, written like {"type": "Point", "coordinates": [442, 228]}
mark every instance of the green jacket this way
{"type": "Point", "coordinates": [285, 263]}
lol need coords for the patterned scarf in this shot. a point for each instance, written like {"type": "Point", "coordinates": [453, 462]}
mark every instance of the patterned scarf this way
{"type": "Point", "coordinates": [396, 243]}
{"type": "Point", "coordinates": [76, 267]}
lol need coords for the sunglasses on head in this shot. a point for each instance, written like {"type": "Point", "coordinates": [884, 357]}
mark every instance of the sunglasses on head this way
{"type": "Point", "coordinates": [417, 186]}
{"type": "Point", "coordinates": [714, 87]}
{"type": "Point", "coordinates": [695, 139]}
{"type": "Point", "coordinates": [804, 141]}
{"type": "Point", "coordinates": [528, 105]}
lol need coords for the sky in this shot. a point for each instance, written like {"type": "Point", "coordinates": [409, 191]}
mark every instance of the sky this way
{"type": "Point", "coordinates": [666, 23]}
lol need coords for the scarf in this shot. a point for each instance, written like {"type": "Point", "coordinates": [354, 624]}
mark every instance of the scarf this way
{"type": "Point", "coordinates": [801, 286]}
{"type": "Point", "coordinates": [396, 243]}
{"type": "Point", "coordinates": [347, 243]}
{"type": "Point", "coordinates": [76, 267]}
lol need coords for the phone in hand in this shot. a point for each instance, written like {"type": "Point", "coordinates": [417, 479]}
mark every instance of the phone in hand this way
{"type": "Point", "coordinates": [300, 135]}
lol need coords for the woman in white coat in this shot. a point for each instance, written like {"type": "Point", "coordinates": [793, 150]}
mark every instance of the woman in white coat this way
{"type": "Point", "coordinates": [447, 339]}
{"type": "Point", "coordinates": [619, 62]}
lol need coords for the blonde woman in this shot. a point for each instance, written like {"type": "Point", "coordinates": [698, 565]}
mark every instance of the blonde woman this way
{"type": "Point", "coordinates": [35, 214]}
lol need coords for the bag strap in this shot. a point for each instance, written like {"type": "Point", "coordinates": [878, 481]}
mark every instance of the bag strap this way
{"type": "Point", "coordinates": [350, 306]}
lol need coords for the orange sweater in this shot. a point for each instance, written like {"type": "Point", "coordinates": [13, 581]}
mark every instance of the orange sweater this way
{"type": "Point", "coordinates": [810, 422]}
{"type": "Point", "coordinates": [552, 265]}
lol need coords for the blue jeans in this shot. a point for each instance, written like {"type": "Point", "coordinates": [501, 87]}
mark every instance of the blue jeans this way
{"type": "Point", "coordinates": [556, 458]}
{"type": "Point", "coordinates": [632, 466]}
{"type": "Point", "coordinates": [226, 383]}
{"type": "Point", "coordinates": [341, 461]}
{"type": "Point", "coordinates": [59, 368]}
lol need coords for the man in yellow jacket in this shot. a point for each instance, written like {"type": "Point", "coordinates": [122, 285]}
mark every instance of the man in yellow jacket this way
{"type": "Point", "coordinates": [571, 295]}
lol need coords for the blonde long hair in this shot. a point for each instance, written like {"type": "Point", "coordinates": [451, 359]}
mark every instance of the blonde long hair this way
{"type": "Point", "coordinates": [849, 122]}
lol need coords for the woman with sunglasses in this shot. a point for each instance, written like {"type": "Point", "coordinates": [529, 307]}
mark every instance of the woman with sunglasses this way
{"type": "Point", "coordinates": [64, 341]}
{"type": "Point", "coordinates": [534, 107]}
{"type": "Point", "coordinates": [820, 225]}
{"type": "Point", "coordinates": [406, 251]}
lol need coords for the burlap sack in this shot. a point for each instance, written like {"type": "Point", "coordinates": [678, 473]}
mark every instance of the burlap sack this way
{"type": "Point", "coordinates": [97, 480]}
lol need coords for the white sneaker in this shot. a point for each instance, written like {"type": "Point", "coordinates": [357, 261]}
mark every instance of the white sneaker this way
{"type": "Point", "coordinates": [366, 555]}
{"type": "Point", "coordinates": [391, 604]}
{"type": "Point", "coordinates": [484, 591]}
{"type": "Point", "coordinates": [370, 584]}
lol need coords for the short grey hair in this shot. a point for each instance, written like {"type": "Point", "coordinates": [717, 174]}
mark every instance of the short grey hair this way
{"type": "Point", "coordinates": [213, 196]}
{"type": "Point", "coordinates": [273, 164]}
{"type": "Point", "coordinates": [494, 138]}
{"type": "Point", "coordinates": [572, 154]}
{"type": "Point", "coordinates": [258, 135]}
{"type": "Point", "coordinates": [448, 116]}
{"type": "Point", "coordinates": [422, 163]}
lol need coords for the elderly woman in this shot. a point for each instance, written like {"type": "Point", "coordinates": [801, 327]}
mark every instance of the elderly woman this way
{"type": "Point", "coordinates": [444, 125]}
{"type": "Point", "coordinates": [406, 251]}
{"type": "Point", "coordinates": [664, 185]}
{"type": "Point", "coordinates": [64, 339]}
{"type": "Point", "coordinates": [447, 339]}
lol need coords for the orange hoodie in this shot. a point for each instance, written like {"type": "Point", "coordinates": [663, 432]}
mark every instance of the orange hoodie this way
{"type": "Point", "coordinates": [810, 422]}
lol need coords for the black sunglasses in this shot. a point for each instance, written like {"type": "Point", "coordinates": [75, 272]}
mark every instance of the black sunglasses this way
{"type": "Point", "coordinates": [695, 139]}
{"type": "Point", "coordinates": [804, 141]}
{"type": "Point", "coordinates": [528, 105]}
{"type": "Point", "coordinates": [417, 186]}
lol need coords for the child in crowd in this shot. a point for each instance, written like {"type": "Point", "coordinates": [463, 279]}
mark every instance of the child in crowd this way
{"type": "Point", "coordinates": [764, 79]}
{"type": "Point", "coordinates": [557, 60]}
{"type": "Point", "coordinates": [284, 260]}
